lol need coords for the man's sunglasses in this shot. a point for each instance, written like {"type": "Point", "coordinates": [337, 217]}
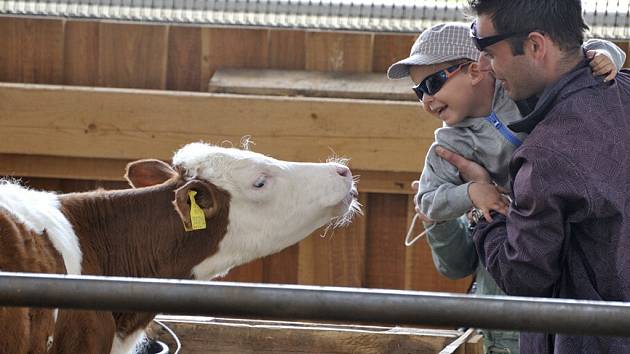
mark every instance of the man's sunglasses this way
{"type": "Point", "coordinates": [434, 82]}
{"type": "Point", "coordinates": [483, 43]}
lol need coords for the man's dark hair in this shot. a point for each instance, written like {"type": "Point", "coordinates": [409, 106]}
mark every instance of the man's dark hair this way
{"type": "Point", "coordinates": [560, 19]}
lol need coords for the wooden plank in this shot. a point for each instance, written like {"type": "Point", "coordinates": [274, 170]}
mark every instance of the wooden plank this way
{"type": "Point", "coordinates": [81, 53]}
{"type": "Point", "coordinates": [17, 165]}
{"type": "Point", "coordinates": [251, 272]}
{"type": "Point", "coordinates": [625, 46]}
{"type": "Point", "coordinates": [131, 124]}
{"type": "Point", "coordinates": [336, 51]}
{"type": "Point", "coordinates": [385, 248]}
{"type": "Point", "coordinates": [374, 153]}
{"type": "Point", "coordinates": [114, 169]}
{"type": "Point", "coordinates": [184, 59]}
{"type": "Point", "coordinates": [233, 48]}
{"type": "Point", "coordinates": [390, 48]}
{"type": "Point", "coordinates": [475, 345]}
{"type": "Point", "coordinates": [287, 49]}
{"type": "Point", "coordinates": [310, 84]}
{"type": "Point", "coordinates": [132, 55]}
{"type": "Point", "coordinates": [386, 182]}
{"type": "Point", "coordinates": [199, 335]}
{"type": "Point", "coordinates": [100, 109]}
{"type": "Point", "coordinates": [420, 273]}
{"type": "Point", "coordinates": [282, 267]}
{"type": "Point", "coordinates": [32, 50]}
{"type": "Point", "coordinates": [336, 257]}
{"type": "Point", "coordinates": [71, 185]}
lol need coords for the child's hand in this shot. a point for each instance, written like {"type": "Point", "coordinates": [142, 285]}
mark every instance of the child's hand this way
{"type": "Point", "coordinates": [486, 197]}
{"type": "Point", "coordinates": [415, 186]}
{"type": "Point", "coordinates": [602, 65]}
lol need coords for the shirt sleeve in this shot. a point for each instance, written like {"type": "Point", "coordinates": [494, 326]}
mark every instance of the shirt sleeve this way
{"type": "Point", "coordinates": [523, 253]}
{"type": "Point", "coordinates": [442, 195]}
{"type": "Point", "coordinates": [452, 248]}
{"type": "Point", "coordinates": [609, 49]}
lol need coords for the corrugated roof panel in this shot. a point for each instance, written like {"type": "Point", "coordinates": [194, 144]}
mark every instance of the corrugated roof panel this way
{"type": "Point", "coordinates": [608, 19]}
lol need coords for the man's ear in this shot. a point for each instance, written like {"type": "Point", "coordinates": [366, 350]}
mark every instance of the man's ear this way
{"type": "Point", "coordinates": [144, 173]}
{"type": "Point", "coordinates": [205, 197]}
{"type": "Point", "coordinates": [536, 44]}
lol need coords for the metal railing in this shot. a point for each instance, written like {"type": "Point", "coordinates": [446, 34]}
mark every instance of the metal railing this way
{"type": "Point", "coordinates": [316, 303]}
{"type": "Point", "coordinates": [607, 19]}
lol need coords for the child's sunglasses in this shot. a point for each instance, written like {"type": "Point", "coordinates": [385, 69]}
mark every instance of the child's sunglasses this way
{"type": "Point", "coordinates": [434, 82]}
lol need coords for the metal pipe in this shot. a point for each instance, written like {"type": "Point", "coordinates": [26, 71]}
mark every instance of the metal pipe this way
{"type": "Point", "coordinates": [315, 303]}
{"type": "Point", "coordinates": [606, 20]}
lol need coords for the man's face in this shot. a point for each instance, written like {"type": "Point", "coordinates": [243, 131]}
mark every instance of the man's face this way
{"type": "Point", "coordinates": [516, 72]}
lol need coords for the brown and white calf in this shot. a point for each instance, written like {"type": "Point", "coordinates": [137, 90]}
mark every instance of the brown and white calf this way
{"type": "Point", "coordinates": [253, 206]}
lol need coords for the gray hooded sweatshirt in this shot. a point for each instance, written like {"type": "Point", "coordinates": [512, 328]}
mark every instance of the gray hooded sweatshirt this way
{"type": "Point", "coordinates": [442, 194]}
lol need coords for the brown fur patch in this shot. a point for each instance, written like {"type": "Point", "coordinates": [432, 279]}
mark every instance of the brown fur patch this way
{"type": "Point", "coordinates": [25, 330]}
{"type": "Point", "coordinates": [129, 233]}
{"type": "Point", "coordinates": [133, 233]}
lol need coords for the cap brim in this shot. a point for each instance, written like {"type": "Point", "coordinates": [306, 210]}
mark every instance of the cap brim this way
{"type": "Point", "coordinates": [400, 69]}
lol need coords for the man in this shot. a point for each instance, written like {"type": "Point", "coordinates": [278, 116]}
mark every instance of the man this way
{"type": "Point", "coordinates": [443, 66]}
{"type": "Point", "coordinates": [567, 231]}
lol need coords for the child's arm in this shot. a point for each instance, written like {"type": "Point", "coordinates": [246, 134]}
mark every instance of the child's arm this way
{"type": "Point", "coordinates": [442, 195]}
{"type": "Point", "coordinates": [452, 249]}
{"type": "Point", "coordinates": [606, 58]}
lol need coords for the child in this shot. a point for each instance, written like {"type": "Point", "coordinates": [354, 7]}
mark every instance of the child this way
{"type": "Point", "coordinates": [476, 111]}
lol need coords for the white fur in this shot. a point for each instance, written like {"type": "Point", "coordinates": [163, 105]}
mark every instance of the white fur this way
{"type": "Point", "coordinates": [297, 198]}
{"type": "Point", "coordinates": [128, 345]}
{"type": "Point", "coordinates": [39, 211]}
{"type": "Point", "coordinates": [49, 343]}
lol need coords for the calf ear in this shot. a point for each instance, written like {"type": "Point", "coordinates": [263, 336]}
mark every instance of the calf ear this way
{"type": "Point", "coordinates": [144, 173]}
{"type": "Point", "coordinates": [206, 198]}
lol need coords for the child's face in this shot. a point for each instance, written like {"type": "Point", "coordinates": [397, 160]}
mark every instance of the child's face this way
{"type": "Point", "coordinates": [455, 100]}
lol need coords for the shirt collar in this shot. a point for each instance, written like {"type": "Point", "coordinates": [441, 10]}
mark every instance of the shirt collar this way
{"type": "Point", "coordinates": [577, 79]}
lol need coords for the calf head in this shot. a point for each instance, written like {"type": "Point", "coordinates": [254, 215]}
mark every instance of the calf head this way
{"type": "Point", "coordinates": [272, 203]}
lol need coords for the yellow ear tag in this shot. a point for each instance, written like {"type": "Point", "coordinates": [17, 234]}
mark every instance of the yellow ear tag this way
{"type": "Point", "coordinates": [197, 217]}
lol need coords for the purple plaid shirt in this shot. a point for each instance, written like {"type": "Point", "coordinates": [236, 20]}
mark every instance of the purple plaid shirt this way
{"type": "Point", "coordinates": [567, 234]}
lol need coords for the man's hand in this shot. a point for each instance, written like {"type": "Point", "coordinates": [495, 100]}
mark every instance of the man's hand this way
{"type": "Point", "coordinates": [602, 65]}
{"type": "Point", "coordinates": [470, 171]}
{"type": "Point", "coordinates": [486, 197]}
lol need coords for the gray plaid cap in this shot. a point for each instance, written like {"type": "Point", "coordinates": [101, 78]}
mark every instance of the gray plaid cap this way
{"type": "Point", "coordinates": [438, 44]}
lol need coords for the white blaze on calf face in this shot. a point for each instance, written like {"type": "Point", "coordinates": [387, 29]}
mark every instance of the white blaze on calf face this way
{"type": "Point", "coordinates": [274, 203]}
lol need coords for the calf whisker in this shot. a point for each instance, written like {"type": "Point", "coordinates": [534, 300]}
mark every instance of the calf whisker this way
{"type": "Point", "coordinates": [344, 220]}
{"type": "Point", "coordinates": [247, 142]}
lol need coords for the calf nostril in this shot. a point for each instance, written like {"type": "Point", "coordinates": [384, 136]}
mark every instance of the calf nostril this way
{"type": "Point", "coordinates": [343, 171]}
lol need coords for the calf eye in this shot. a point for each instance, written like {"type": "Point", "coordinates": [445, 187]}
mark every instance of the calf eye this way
{"type": "Point", "coordinates": [260, 182]}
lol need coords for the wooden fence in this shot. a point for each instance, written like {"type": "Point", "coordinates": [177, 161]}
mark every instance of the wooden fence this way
{"type": "Point", "coordinates": [70, 139]}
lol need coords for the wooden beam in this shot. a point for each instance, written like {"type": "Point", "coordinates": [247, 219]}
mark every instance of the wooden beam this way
{"type": "Point", "coordinates": [131, 124]}
{"type": "Point", "coordinates": [15, 165]}
{"type": "Point", "coordinates": [310, 84]}
{"type": "Point", "coordinates": [40, 166]}
{"type": "Point", "coordinates": [220, 335]}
